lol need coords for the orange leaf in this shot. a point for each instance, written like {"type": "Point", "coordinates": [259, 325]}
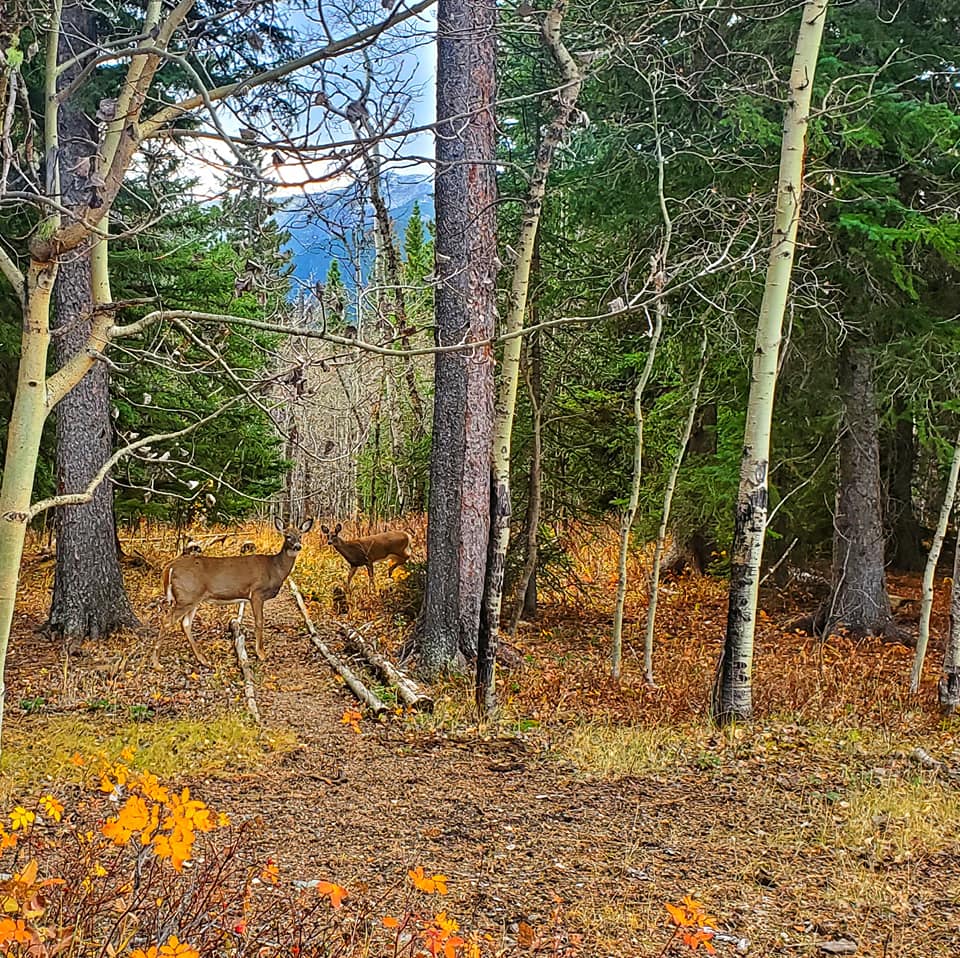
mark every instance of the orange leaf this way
{"type": "Point", "coordinates": [336, 893]}
{"type": "Point", "coordinates": [390, 922]}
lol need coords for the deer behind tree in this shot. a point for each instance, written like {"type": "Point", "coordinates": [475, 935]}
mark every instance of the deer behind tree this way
{"type": "Point", "coordinates": [365, 551]}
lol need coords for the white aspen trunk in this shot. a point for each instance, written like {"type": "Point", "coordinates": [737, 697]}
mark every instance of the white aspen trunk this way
{"type": "Point", "coordinates": [732, 695]}
{"type": "Point", "coordinates": [926, 601]}
{"type": "Point", "coordinates": [630, 514]}
{"type": "Point", "coordinates": [659, 267]}
{"type": "Point", "coordinates": [948, 689]}
{"type": "Point", "coordinates": [510, 364]}
{"type": "Point", "coordinates": [665, 520]}
{"type": "Point", "coordinates": [23, 446]}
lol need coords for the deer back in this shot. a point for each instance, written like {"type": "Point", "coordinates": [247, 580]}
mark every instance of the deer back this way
{"type": "Point", "coordinates": [369, 549]}
{"type": "Point", "coordinates": [193, 578]}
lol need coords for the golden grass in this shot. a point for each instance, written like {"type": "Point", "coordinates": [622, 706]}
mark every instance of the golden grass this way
{"type": "Point", "coordinates": [41, 750]}
{"type": "Point", "coordinates": [613, 751]}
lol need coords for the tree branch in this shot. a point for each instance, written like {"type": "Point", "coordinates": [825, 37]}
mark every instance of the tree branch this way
{"type": "Point", "coordinates": [79, 498]}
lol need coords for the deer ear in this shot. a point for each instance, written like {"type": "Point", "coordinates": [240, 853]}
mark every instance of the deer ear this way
{"type": "Point", "coordinates": [339, 527]}
{"type": "Point", "coordinates": [278, 524]}
{"type": "Point", "coordinates": [325, 530]}
{"type": "Point", "coordinates": [306, 525]}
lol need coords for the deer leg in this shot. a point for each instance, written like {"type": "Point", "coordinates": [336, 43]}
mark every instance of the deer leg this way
{"type": "Point", "coordinates": [166, 622]}
{"type": "Point", "coordinates": [185, 623]}
{"type": "Point", "coordinates": [370, 573]}
{"type": "Point", "coordinates": [350, 575]}
{"type": "Point", "coordinates": [256, 603]}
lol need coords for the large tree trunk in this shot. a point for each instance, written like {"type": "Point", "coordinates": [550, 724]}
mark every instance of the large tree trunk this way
{"type": "Point", "coordinates": [898, 459]}
{"type": "Point", "coordinates": [732, 694]}
{"type": "Point", "coordinates": [859, 600]}
{"type": "Point", "coordinates": [89, 599]}
{"type": "Point", "coordinates": [466, 271]}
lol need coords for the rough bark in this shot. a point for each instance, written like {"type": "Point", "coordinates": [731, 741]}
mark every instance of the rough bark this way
{"type": "Point", "coordinates": [948, 688]}
{"type": "Point", "coordinates": [898, 461]}
{"type": "Point", "coordinates": [466, 270]}
{"type": "Point", "coordinates": [500, 505]}
{"type": "Point", "coordinates": [858, 600]}
{"type": "Point", "coordinates": [89, 599]}
{"type": "Point", "coordinates": [732, 694]}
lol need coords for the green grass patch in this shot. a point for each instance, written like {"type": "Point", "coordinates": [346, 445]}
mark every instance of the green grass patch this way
{"type": "Point", "coordinates": [43, 750]}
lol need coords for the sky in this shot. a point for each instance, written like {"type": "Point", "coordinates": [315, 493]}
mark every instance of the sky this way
{"type": "Point", "coordinates": [419, 65]}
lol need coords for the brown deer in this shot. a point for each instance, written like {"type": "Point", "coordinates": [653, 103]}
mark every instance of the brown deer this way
{"type": "Point", "coordinates": [190, 580]}
{"type": "Point", "coordinates": [370, 549]}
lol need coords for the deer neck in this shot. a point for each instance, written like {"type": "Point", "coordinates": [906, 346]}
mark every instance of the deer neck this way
{"type": "Point", "coordinates": [283, 563]}
{"type": "Point", "coordinates": [342, 548]}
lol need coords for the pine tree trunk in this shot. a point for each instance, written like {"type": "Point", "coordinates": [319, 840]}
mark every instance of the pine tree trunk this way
{"type": "Point", "coordinates": [948, 689]}
{"type": "Point", "coordinates": [859, 600]}
{"type": "Point", "coordinates": [89, 599]}
{"type": "Point", "coordinates": [466, 270]}
{"type": "Point", "coordinates": [732, 694]}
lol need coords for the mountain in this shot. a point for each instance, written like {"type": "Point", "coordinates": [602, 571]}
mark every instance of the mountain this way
{"type": "Point", "coordinates": [329, 224]}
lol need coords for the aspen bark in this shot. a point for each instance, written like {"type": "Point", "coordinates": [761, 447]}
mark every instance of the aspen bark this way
{"type": "Point", "coordinates": [630, 513]}
{"type": "Point", "coordinates": [732, 694]}
{"type": "Point", "coordinates": [659, 276]}
{"type": "Point", "coordinates": [23, 445]}
{"type": "Point", "coordinates": [930, 571]}
{"type": "Point", "coordinates": [525, 594]}
{"type": "Point", "coordinates": [500, 508]}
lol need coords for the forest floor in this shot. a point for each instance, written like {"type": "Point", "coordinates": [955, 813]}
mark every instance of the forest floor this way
{"type": "Point", "coordinates": [568, 826]}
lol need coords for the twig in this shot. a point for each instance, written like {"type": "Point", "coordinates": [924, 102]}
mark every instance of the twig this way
{"type": "Point", "coordinates": [240, 646]}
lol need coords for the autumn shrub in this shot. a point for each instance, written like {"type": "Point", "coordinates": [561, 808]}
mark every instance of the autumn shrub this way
{"type": "Point", "coordinates": [137, 868]}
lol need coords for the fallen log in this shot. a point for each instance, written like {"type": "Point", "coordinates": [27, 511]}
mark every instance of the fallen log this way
{"type": "Point", "coordinates": [364, 694]}
{"type": "Point", "coordinates": [407, 689]}
{"type": "Point", "coordinates": [240, 646]}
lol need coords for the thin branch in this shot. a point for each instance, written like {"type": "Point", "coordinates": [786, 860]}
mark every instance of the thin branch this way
{"type": "Point", "coordinates": [79, 498]}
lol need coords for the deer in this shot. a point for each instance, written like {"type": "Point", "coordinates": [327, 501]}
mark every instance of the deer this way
{"type": "Point", "coordinates": [369, 549]}
{"type": "Point", "coordinates": [192, 579]}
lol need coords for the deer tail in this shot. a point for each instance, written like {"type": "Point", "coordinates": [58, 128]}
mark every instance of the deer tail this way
{"type": "Point", "coordinates": [167, 584]}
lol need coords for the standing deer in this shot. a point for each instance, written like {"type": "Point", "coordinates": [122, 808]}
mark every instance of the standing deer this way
{"type": "Point", "coordinates": [190, 580]}
{"type": "Point", "coordinates": [370, 549]}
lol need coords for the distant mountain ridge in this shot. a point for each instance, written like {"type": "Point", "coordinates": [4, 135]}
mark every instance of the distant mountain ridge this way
{"type": "Point", "coordinates": [327, 225]}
